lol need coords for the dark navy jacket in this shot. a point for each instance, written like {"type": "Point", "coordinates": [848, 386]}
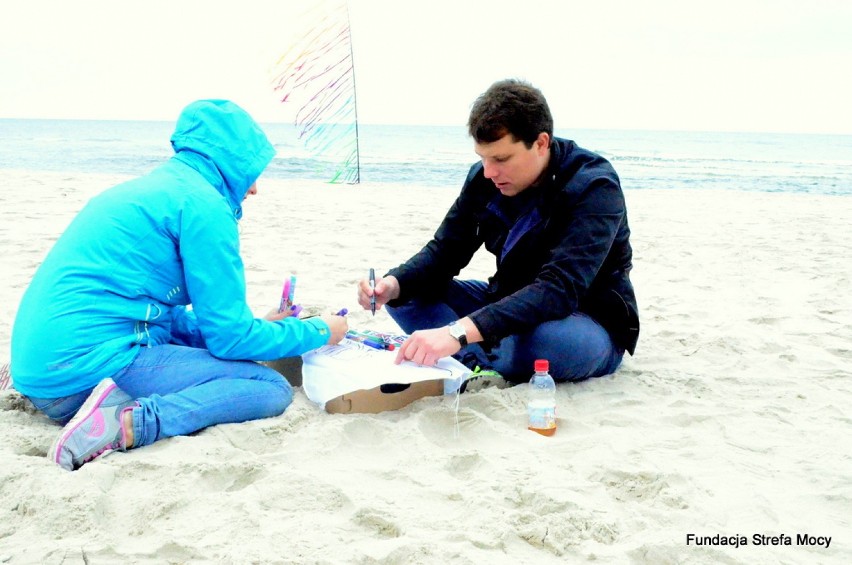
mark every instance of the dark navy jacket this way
{"type": "Point", "coordinates": [562, 246]}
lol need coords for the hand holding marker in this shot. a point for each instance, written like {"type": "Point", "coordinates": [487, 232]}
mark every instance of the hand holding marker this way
{"type": "Point", "coordinates": [287, 297]}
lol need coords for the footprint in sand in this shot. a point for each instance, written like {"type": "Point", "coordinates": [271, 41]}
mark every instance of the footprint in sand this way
{"type": "Point", "coordinates": [643, 487]}
{"type": "Point", "coordinates": [373, 520]}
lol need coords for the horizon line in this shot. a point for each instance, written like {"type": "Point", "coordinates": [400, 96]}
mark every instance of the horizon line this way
{"type": "Point", "coordinates": [387, 124]}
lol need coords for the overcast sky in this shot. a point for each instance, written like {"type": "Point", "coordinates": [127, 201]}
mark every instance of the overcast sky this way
{"type": "Point", "coordinates": [736, 65]}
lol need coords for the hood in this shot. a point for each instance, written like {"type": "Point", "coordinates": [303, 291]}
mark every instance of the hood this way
{"type": "Point", "coordinates": [224, 143]}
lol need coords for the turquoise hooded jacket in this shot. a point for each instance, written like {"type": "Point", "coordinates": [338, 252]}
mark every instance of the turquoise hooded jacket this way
{"type": "Point", "coordinates": [121, 275]}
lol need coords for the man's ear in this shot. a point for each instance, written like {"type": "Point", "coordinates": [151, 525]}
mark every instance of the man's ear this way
{"type": "Point", "coordinates": [542, 143]}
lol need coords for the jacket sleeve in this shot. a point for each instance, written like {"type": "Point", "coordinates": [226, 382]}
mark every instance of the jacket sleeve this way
{"type": "Point", "coordinates": [586, 217]}
{"type": "Point", "coordinates": [450, 250]}
{"type": "Point", "coordinates": [213, 270]}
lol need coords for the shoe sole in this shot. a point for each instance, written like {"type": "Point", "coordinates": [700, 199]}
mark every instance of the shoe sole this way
{"type": "Point", "coordinates": [92, 403]}
{"type": "Point", "coordinates": [484, 382]}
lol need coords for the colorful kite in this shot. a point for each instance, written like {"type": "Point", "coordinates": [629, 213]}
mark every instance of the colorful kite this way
{"type": "Point", "coordinates": [318, 74]}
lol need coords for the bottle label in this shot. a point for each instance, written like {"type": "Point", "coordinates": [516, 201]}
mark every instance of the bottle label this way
{"type": "Point", "coordinates": [542, 417]}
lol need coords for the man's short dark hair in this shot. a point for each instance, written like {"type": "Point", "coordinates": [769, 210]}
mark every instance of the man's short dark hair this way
{"type": "Point", "coordinates": [510, 106]}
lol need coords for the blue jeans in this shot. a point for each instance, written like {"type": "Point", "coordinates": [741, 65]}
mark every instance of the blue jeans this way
{"type": "Point", "coordinates": [181, 390]}
{"type": "Point", "coordinates": [577, 346]}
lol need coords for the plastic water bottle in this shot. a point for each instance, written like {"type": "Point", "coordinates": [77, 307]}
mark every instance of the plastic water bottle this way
{"type": "Point", "coordinates": [541, 406]}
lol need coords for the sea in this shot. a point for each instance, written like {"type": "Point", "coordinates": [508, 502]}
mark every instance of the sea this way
{"type": "Point", "coordinates": [440, 156]}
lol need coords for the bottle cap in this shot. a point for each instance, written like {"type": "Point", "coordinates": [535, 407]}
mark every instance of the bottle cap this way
{"type": "Point", "coordinates": [541, 366]}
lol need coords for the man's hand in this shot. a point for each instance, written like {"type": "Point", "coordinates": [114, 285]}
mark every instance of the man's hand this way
{"type": "Point", "coordinates": [426, 347]}
{"type": "Point", "coordinates": [387, 289]}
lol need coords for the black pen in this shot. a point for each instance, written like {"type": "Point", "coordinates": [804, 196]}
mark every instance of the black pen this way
{"type": "Point", "coordinates": [373, 287]}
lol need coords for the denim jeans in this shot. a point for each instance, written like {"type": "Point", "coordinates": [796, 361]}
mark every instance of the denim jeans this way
{"type": "Point", "coordinates": [577, 347]}
{"type": "Point", "coordinates": [181, 390]}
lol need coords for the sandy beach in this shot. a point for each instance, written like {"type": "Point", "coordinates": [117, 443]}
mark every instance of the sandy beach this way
{"type": "Point", "coordinates": [730, 422]}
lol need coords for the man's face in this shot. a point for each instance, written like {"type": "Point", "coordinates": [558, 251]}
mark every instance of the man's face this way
{"type": "Point", "coordinates": [510, 165]}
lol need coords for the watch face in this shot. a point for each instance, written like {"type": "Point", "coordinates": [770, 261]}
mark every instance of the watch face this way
{"type": "Point", "coordinates": [457, 331]}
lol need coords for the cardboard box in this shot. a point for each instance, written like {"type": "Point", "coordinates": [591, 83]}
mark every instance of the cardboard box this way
{"type": "Point", "coordinates": [384, 397]}
{"type": "Point", "coordinates": [353, 377]}
{"type": "Point", "coordinates": [363, 401]}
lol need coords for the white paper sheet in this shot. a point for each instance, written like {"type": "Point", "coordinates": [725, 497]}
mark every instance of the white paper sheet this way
{"type": "Point", "coordinates": [333, 370]}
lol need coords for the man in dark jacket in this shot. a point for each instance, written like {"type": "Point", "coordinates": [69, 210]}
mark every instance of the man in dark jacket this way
{"type": "Point", "coordinates": [553, 215]}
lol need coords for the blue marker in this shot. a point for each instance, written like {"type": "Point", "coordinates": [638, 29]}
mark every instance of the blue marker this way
{"type": "Point", "coordinates": [373, 344]}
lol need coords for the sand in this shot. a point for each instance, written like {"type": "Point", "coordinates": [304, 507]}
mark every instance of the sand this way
{"type": "Point", "coordinates": [731, 420]}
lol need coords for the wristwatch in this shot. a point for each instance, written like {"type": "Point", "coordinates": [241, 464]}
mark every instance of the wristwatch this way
{"type": "Point", "coordinates": [457, 331]}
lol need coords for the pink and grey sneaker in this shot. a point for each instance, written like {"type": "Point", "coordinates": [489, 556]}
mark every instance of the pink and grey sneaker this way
{"type": "Point", "coordinates": [95, 430]}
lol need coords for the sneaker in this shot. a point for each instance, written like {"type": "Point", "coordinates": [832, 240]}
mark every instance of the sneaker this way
{"type": "Point", "coordinates": [480, 379]}
{"type": "Point", "coordinates": [95, 430]}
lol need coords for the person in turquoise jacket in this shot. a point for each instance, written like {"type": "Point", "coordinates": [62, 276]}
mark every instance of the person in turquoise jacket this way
{"type": "Point", "coordinates": [135, 327]}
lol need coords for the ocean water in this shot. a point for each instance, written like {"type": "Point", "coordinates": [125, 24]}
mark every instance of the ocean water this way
{"type": "Point", "coordinates": [441, 155]}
